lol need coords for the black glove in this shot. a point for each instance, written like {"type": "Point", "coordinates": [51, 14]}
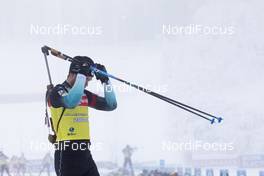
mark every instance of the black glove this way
{"type": "Point", "coordinates": [82, 68]}
{"type": "Point", "coordinates": [81, 65]}
{"type": "Point", "coordinates": [103, 78]}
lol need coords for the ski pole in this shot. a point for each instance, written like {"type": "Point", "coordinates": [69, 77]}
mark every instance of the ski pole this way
{"type": "Point", "coordinates": [45, 51]}
{"type": "Point", "coordinates": [166, 99]}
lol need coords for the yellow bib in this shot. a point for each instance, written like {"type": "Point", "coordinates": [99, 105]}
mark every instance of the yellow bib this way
{"type": "Point", "coordinates": [74, 124]}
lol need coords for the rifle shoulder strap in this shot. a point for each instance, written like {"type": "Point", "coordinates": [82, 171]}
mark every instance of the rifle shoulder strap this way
{"type": "Point", "coordinates": [57, 128]}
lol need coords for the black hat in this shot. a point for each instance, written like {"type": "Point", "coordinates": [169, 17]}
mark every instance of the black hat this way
{"type": "Point", "coordinates": [80, 60]}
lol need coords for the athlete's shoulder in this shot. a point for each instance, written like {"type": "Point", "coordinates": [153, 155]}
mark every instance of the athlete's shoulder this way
{"type": "Point", "coordinates": [56, 95]}
{"type": "Point", "coordinates": [60, 89]}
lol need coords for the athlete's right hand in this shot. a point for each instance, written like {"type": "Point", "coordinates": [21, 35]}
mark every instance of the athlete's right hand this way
{"type": "Point", "coordinates": [82, 68]}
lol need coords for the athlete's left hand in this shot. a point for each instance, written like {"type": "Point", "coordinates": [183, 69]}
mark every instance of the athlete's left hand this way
{"type": "Point", "coordinates": [103, 78]}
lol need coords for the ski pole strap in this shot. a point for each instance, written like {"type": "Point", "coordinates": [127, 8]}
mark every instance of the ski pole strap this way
{"type": "Point", "coordinates": [57, 127]}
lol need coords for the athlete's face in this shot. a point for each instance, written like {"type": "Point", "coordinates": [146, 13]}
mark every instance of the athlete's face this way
{"type": "Point", "coordinates": [72, 78]}
{"type": "Point", "coordinates": [88, 78]}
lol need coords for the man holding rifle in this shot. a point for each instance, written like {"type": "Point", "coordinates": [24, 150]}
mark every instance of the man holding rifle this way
{"type": "Point", "coordinates": [69, 104]}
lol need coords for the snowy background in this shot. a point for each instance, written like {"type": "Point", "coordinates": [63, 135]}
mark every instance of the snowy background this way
{"type": "Point", "coordinates": [219, 73]}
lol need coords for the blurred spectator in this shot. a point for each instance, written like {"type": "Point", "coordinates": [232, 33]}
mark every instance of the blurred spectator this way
{"type": "Point", "coordinates": [22, 164]}
{"type": "Point", "coordinates": [4, 164]}
{"type": "Point", "coordinates": [128, 151]}
{"type": "Point", "coordinates": [46, 164]}
{"type": "Point", "coordinates": [156, 173]}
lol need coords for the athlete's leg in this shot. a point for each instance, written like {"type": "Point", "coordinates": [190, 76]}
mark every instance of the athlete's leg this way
{"type": "Point", "coordinates": [91, 166]}
{"type": "Point", "coordinates": [131, 166]}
